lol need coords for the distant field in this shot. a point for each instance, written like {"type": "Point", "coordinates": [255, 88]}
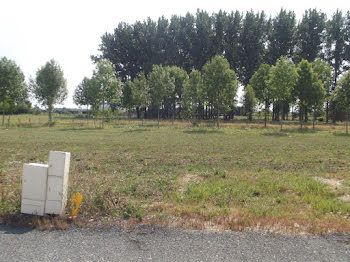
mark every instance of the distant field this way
{"type": "Point", "coordinates": [238, 177]}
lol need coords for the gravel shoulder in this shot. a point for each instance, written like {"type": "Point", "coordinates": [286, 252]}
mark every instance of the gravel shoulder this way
{"type": "Point", "coordinates": [159, 244]}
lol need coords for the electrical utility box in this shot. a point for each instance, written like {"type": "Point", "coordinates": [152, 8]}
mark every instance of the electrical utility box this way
{"type": "Point", "coordinates": [44, 187]}
{"type": "Point", "coordinates": [57, 182]}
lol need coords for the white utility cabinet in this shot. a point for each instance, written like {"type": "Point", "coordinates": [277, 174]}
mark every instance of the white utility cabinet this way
{"type": "Point", "coordinates": [57, 182]}
{"type": "Point", "coordinates": [44, 187]}
{"type": "Point", "coordinates": [34, 181]}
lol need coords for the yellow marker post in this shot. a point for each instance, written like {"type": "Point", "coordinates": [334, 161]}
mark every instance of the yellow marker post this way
{"type": "Point", "coordinates": [76, 202]}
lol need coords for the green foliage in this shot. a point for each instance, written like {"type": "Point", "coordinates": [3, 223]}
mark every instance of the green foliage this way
{"type": "Point", "coordinates": [335, 44]}
{"type": "Point", "coordinates": [249, 101]}
{"type": "Point", "coordinates": [324, 74]}
{"type": "Point", "coordinates": [133, 211]}
{"type": "Point", "coordinates": [260, 83]}
{"type": "Point", "coordinates": [310, 35]}
{"type": "Point", "coordinates": [221, 84]}
{"type": "Point", "coordinates": [13, 90]}
{"type": "Point", "coordinates": [252, 48]}
{"type": "Point", "coordinates": [162, 86]}
{"type": "Point", "coordinates": [283, 79]}
{"type": "Point", "coordinates": [114, 93]}
{"type": "Point", "coordinates": [308, 88]}
{"type": "Point", "coordinates": [127, 95]}
{"type": "Point", "coordinates": [107, 85]}
{"type": "Point", "coordinates": [106, 80]}
{"type": "Point", "coordinates": [180, 79]}
{"type": "Point", "coordinates": [193, 95]}
{"type": "Point", "coordinates": [86, 93]}
{"type": "Point", "coordinates": [342, 93]}
{"type": "Point", "coordinates": [49, 86]}
{"type": "Point", "coordinates": [281, 36]}
{"type": "Point", "coordinates": [140, 92]}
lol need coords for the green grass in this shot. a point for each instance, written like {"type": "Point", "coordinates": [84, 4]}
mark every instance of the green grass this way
{"type": "Point", "coordinates": [237, 177]}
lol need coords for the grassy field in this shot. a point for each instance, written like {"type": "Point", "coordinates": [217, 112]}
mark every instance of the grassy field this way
{"type": "Point", "coordinates": [239, 177]}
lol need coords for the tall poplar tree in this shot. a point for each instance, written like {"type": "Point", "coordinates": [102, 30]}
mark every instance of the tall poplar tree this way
{"type": "Point", "coordinates": [311, 35]}
{"type": "Point", "coordinates": [252, 45]}
{"type": "Point", "coordinates": [335, 50]}
{"type": "Point", "coordinates": [281, 39]}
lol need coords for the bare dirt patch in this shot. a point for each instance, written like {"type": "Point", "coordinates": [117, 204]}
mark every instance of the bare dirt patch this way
{"type": "Point", "coordinates": [185, 180]}
{"type": "Point", "coordinates": [336, 185]}
{"type": "Point", "coordinates": [345, 198]}
{"type": "Point", "coordinates": [332, 183]}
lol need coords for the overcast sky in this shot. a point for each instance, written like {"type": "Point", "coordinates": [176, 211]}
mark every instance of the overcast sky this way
{"type": "Point", "coordinates": [32, 32]}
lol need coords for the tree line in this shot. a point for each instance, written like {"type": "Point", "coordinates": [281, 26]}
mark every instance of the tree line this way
{"type": "Point", "coordinates": [245, 40]}
{"type": "Point", "coordinates": [210, 92]}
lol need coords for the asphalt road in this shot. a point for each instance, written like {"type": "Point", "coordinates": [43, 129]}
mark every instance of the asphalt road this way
{"type": "Point", "coordinates": [156, 244]}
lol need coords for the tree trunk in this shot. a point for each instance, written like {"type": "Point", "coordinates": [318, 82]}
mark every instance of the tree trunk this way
{"type": "Point", "coordinates": [301, 116]}
{"type": "Point", "coordinates": [265, 123]}
{"type": "Point", "coordinates": [333, 112]}
{"type": "Point", "coordinates": [142, 117]}
{"type": "Point", "coordinates": [138, 112]}
{"type": "Point", "coordinates": [103, 113]}
{"type": "Point", "coordinates": [281, 119]}
{"type": "Point", "coordinates": [306, 115]}
{"type": "Point", "coordinates": [314, 120]}
{"type": "Point", "coordinates": [276, 114]}
{"type": "Point", "coordinates": [50, 115]}
{"type": "Point", "coordinates": [286, 111]}
{"type": "Point", "coordinates": [158, 116]}
{"type": "Point", "coordinates": [3, 114]}
{"type": "Point", "coordinates": [347, 123]}
{"type": "Point", "coordinates": [327, 109]}
{"type": "Point", "coordinates": [87, 111]}
{"type": "Point", "coordinates": [217, 123]}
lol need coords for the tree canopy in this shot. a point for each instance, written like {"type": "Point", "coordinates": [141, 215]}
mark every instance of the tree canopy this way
{"type": "Point", "coordinates": [49, 86]}
{"type": "Point", "coordinates": [12, 86]}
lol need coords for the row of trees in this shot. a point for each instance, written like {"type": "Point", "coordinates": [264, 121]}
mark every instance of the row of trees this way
{"type": "Point", "coordinates": [167, 90]}
{"type": "Point", "coordinates": [306, 85]}
{"type": "Point", "coordinates": [211, 92]}
{"type": "Point", "coordinates": [48, 87]}
{"type": "Point", "coordinates": [245, 40]}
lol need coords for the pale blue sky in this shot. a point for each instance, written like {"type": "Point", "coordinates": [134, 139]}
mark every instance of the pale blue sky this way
{"type": "Point", "coordinates": [32, 32]}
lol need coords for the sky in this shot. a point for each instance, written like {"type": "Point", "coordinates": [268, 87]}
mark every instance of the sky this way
{"type": "Point", "coordinates": [69, 31]}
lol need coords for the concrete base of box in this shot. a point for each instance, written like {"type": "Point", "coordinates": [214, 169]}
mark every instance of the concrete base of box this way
{"type": "Point", "coordinates": [32, 207]}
